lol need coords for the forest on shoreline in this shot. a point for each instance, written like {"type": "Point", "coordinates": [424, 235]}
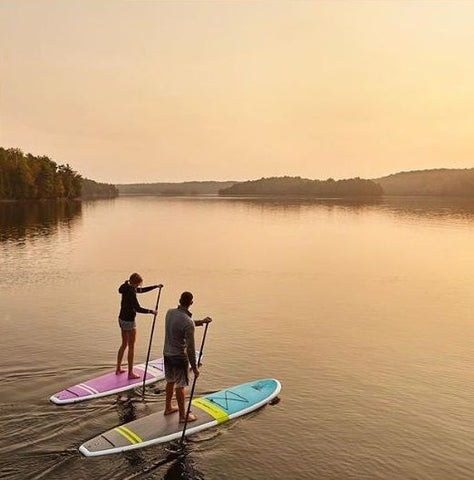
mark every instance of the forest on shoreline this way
{"type": "Point", "coordinates": [304, 187]}
{"type": "Point", "coordinates": [174, 188]}
{"type": "Point", "coordinates": [441, 182]}
{"type": "Point", "coordinates": [30, 177]}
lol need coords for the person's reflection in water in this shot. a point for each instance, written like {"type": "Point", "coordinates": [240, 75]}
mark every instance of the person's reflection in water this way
{"type": "Point", "coordinates": [127, 412]}
{"type": "Point", "coordinates": [183, 469]}
{"type": "Point", "coordinates": [125, 408]}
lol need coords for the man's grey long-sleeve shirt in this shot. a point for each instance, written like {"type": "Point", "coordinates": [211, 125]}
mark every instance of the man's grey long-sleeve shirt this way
{"type": "Point", "coordinates": [179, 335]}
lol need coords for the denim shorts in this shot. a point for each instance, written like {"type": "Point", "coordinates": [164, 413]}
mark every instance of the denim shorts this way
{"type": "Point", "coordinates": [124, 325]}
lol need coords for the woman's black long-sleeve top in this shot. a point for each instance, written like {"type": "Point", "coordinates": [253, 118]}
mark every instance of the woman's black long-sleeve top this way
{"type": "Point", "coordinates": [129, 305]}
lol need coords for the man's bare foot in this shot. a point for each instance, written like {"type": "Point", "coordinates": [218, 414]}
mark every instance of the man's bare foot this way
{"type": "Point", "coordinates": [133, 375]}
{"type": "Point", "coordinates": [119, 371]}
{"type": "Point", "coordinates": [191, 418]}
{"type": "Point", "coordinates": [170, 411]}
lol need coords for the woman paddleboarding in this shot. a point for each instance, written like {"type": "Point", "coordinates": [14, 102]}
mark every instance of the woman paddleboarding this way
{"type": "Point", "coordinates": [129, 307]}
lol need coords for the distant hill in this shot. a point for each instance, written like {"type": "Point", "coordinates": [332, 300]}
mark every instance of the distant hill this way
{"type": "Point", "coordinates": [437, 182]}
{"type": "Point", "coordinates": [304, 187]}
{"type": "Point", "coordinates": [91, 189]}
{"type": "Point", "coordinates": [182, 188]}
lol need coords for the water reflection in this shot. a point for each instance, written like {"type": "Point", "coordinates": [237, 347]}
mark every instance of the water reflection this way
{"type": "Point", "coordinates": [427, 207]}
{"type": "Point", "coordinates": [183, 469]}
{"type": "Point", "coordinates": [431, 207]}
{"type": "Point", "coordinates": [20, 221]}
{"type": "Point", "coordinates": [272, 203]}
{"type": "Point", "coordinates": [126, 409]}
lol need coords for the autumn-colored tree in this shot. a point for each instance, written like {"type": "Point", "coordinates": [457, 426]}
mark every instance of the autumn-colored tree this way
{"type": "Point", "coordinates": [30, 177]}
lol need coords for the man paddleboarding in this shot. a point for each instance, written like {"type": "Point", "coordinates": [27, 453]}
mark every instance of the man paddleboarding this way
{"type": "Point", "coordinates": [180, 354]}
{"type": "Point", "coordinates": [129, 307]}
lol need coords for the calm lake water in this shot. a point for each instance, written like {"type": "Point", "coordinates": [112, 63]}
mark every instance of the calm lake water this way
{"type": "Point", "coordinates": [364, 312]}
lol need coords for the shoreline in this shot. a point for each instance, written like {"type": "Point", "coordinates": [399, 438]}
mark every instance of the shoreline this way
{"type": "Point", "coordinates": [215, 195]}
{"type": "Point", "coordinates": [57, 200]}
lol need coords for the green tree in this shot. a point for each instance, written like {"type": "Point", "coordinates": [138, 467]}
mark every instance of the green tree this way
{"type": "Point", "coordinates": [46, 181]}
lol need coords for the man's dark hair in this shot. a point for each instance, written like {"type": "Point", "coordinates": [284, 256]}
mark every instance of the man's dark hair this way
{"type": "Point", "coordinates": [186, 299]}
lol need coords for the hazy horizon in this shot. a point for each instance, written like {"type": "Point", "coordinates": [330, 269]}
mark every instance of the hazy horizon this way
{"type": "Point", "coordinates": [146, 92]}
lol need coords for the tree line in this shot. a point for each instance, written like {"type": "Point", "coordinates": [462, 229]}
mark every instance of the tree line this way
{"type": "Point", "coordinates": [297, 186]}
{"type": "Point", "coordinates": [181, 188]}
{"type": "Point", "coordinates": [92, 189]}
{"type": "Point", "coordinates": [441, 182]}
{"type": "Point", "coordinates": [30, 177]}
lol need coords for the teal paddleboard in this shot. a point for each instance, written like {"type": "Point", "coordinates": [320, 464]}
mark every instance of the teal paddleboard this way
{"type": "Point", "coordinates": [211, 410]}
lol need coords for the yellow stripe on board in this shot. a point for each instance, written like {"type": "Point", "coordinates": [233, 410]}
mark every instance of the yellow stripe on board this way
{"type": "Point", "coordinates": [213, 410]}
{"type": "Point", "coordinates": [125, 435]}
{"type": "Point", "coordinates": [132, 437]}
{"type": "Point", "coordinates": [132, 434]}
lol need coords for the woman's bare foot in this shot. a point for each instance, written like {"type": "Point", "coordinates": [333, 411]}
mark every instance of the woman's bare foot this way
{"type": "Point", "coordinates": [170, 411]}
{"type": "Point", "coordinates": [119, 371]}
{"type": "Point", "coordinates": [133, 375]}
{"type": "Point", "coordinates": [191, 418]}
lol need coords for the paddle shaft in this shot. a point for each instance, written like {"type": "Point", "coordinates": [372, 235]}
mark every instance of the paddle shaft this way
{"type": "Point", "coordinates": [192, 388]}
{"type": "Point", "coordinates": [151, 338]}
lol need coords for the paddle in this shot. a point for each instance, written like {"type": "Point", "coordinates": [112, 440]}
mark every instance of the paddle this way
{"type": "Point", "coordinates": [151, 338]}
{"type": "Point", "coordinates": [192, 389]}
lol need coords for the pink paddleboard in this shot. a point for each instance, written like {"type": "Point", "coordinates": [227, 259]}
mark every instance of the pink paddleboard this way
{"type": "Point", "coordinates": [110, 383]}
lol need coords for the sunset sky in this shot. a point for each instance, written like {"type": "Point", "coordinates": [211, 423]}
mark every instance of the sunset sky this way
{"type": "Point", "coordinates": [144, 91]}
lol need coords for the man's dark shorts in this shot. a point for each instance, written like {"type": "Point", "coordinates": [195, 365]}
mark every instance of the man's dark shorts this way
{"type": "Point", "coordinates": [176, 370]}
